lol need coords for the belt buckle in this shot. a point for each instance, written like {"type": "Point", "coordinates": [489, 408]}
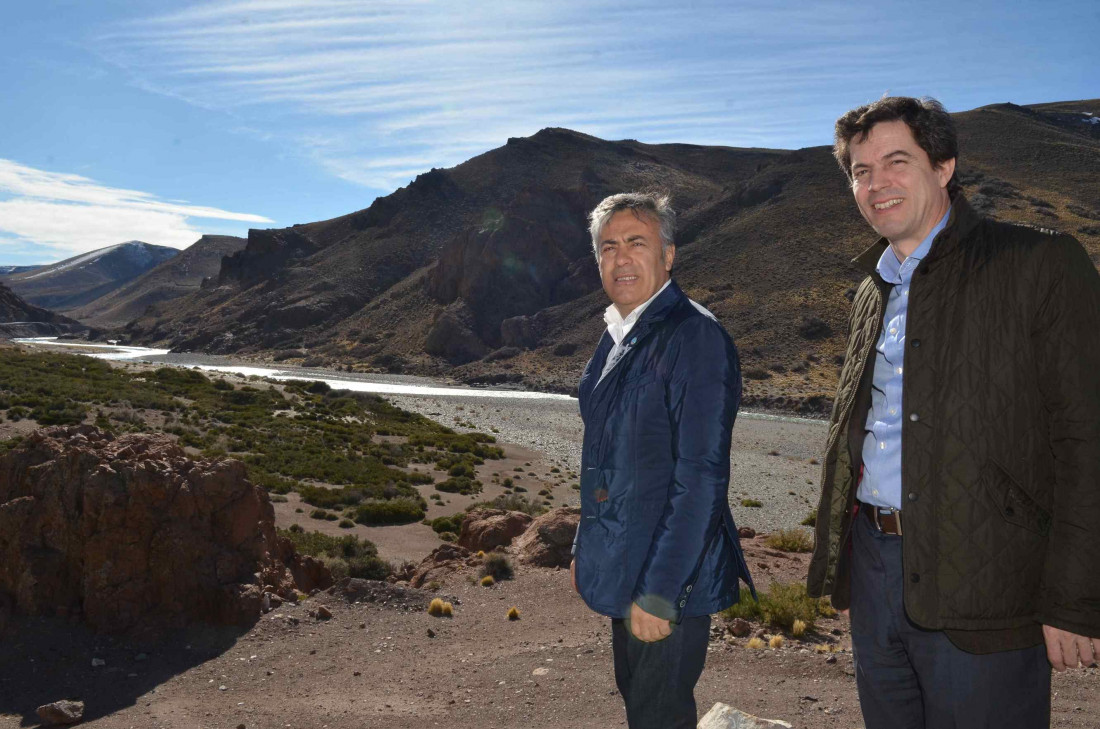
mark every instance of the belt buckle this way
{"type": "Point", "coordinates": [876, 512]}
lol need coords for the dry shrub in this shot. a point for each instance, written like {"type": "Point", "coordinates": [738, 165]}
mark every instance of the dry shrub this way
{"type": "Point", "coordinates": [755, 644]}
{"type": "Point", "coordinates": [790, 540]}
{"type": "Point", "coordinates": [776, 642]}
{"type": "Point", "coordinates": [513, 613]}
{"type": "Point", "coordinates": [487, 581]}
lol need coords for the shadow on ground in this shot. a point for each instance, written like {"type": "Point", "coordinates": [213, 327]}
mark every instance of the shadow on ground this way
{"type": "Point", "coordinates": [47, 659]}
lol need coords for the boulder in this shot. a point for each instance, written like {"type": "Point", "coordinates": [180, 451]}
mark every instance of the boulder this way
{"type": "Point", "coordinates": [548, 541]}
{"type": "Point", "coordinates": [61, 712]}
{"type": "Point", "coordinates": [131, 533]}
{"type": "Point", "coordinates": [443, 560]}
{"type": "Point", "coordinates": [487, 529]}
{"type": "Point", "coordinates": [723, 716]}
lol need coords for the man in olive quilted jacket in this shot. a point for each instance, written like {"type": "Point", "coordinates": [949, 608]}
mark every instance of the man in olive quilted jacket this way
{"type": "Point", "coordinates": [960, 507]}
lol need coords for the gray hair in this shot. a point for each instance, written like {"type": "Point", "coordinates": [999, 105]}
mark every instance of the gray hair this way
{"type": "Point", "coordinates": [653, 205]}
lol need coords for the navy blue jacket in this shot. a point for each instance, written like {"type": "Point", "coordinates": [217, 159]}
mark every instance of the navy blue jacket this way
{"type": "Point", "coordinates": [656, 527]}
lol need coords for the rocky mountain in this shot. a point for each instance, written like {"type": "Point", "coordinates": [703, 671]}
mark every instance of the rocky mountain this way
{"type": "Point", "coordinates": [484, 271]}
{"type": "Point", "coordinates": [20, 319]}
{"type": "Point", "coordinates": [177, 276]}
{"type": "Point", "coordinates": [78, 280]}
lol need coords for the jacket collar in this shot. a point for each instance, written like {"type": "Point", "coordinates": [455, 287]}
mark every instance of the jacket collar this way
{"type": "Point", "coordinates": [960, 222]}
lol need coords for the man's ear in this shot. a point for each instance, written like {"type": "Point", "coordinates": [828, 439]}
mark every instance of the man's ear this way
{"type": "Point", "coordinates": [670, 256]}
{"type": "Point", "coordinates": [944, 171]}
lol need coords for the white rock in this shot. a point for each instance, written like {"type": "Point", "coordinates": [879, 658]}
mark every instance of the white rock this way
{"type": "Point", "coordinates": [723, 716]}
{"type": "Point", "coordinates": [97, 662]}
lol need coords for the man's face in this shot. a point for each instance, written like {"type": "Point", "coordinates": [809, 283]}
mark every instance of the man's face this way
{"type": "Point", "coordinates": [632, 265]}
{"type": "Point", "coordinates": [898, 190]}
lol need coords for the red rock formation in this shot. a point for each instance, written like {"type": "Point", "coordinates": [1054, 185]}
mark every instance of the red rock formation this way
{"type": "Point", "coordinates": [548, 541]}
{"type": "Point", "coordinates": [444, 559]}
{"type": "Point", "coordinates": [486, 529]}
{"type": "Point", "coordinates": [132, 533]}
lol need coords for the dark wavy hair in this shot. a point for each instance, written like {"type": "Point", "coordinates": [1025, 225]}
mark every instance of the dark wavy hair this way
{"type": "Point", "coordinates": [931, 125]}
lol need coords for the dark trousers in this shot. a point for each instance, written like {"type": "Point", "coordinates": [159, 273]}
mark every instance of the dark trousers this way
{"type": "Point", "coordinates": [910, 678]}
{"type": "Point", "coordinates": [657, 680]}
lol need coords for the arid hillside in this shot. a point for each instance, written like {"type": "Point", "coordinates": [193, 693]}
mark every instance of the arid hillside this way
{"type": "Point", "coordinates": [484, 272]}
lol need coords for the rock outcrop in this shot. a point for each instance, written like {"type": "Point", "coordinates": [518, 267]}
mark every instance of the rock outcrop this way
{"type": "Point", "coordinates": [722, 716]}
{"type": "Point", "coordinates": [548, 541]}
{"type": "Point", "coordinates": [130, 533]}
{"type": "Point", "coordinates": [443, 560]}
{"type": "Point", "coordinates": [487, 529]}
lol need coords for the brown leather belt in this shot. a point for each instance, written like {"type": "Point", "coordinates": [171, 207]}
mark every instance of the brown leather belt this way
{"type": "Point", "coordinates": [887, 521]}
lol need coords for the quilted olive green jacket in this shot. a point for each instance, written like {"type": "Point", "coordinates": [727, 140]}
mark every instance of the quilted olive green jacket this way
{"type": "Point", "coordinates": [1000, 436]}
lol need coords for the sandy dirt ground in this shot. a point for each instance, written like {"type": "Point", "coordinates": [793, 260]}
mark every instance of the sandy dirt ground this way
{"type": "Point", "coordinates": [384, 662]}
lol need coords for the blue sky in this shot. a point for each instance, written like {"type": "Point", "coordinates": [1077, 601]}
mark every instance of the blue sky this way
{"type": "Point", "coordinates": [161, 121]}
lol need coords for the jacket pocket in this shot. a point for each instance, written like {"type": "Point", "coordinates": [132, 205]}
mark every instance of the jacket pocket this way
{"type": "Point", "coordinates": [1013, 503]}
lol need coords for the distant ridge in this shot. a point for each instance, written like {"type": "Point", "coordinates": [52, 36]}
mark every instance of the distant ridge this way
{"type": "Point", "coordinates": [484, 272]}
{"type": "Point", "coordinates": [175, 277]}
{"type": "Point", "coordinates": [78, 280]}
{"type": "Point", "coordinates": [20, 319]}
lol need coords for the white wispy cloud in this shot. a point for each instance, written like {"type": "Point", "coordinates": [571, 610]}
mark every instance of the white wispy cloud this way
{"type": "Point", "coordinates": [63, 214]}
{"type": "Point", "coordinates": [397, 87]}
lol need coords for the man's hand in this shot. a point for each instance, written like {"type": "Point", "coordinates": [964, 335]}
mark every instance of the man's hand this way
{"type": "Point", "coordinates": [647, 628]}
{"type": "Point", "coordinates": [573, 574]}
{"type": "Point", "coordinates": [1065, 649]}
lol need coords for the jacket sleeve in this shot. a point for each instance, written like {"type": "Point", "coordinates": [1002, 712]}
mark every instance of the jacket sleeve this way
{"type": "Point", "coordinates": [1066, 341]}
{"type": "Point", "coordinates": [704, 391]}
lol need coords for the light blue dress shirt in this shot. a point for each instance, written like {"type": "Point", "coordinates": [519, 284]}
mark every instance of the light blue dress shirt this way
{"type": "Point", "coordinates": [881, 484]}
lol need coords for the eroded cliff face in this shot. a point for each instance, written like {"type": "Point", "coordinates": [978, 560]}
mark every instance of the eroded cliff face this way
{"type": "Point", "coordinates": [521, 258]}
{"type": "Point", "coordinates": [131, 533]}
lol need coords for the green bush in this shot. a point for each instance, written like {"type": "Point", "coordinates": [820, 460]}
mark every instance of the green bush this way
{"type": "Point", "coordinates": [497, 566]}
{"type": "Point", "coordinates": [360, 555]}
{"type": "Point", "coordinates": [790, 540]}
{"type": "Point", "coordinates": [751, 503]}
{"type": "Point", "coordinates": [460, 485]}
{"type": "Point", "coordinates": [811, 519]}
{"type": "Point", "coordinates": [780, 606]}
{"type": "Point", "coordinates": [452, 523]}
{"type": "Point", "coordinates": [393, 511]}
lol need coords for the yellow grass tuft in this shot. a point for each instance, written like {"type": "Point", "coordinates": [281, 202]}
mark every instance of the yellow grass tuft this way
{"type": "Point", "coordinates": [755, 644]}
{"type": "Point", "coordinates": [487, 581]}
{"type": "Point", "coordinates": [448, 610]}
{"type": "Point", "coordinates": [776, 641]}
{"type": "Point", "coordinates": [798, 628]}
{"type": "Point", "coordinates": [435, 607]}
{"type": "Point", "coordinates": [513, 613]}
{"type": "Point", "coordinates": [481, 554]}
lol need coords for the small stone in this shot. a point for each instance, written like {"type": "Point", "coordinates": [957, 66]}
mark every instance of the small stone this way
{"type": "Point", "coordinates": [97, 662]}
{"type": "Point", "coordinates": [61, 712]}
{"type": "Point", "coordinates": [240, 726]}
{"type": "Point", "coordinates": [761, 634]}
{"type": "Point", "coordinates": [362, 626]}
{"type": "Point", "coordinates": [356, 673]}
{"type": "Point", "coordinates": [746, 532]}
{"type": "Point", "coordinates": [323, 613]}
{"type": "Point", "coordinates": [222, 688]}
{"type": "Point", "coordinates": [431, 633]}
{"type": "Point", "coordinates": [740, 627]}
{"type": "Point", "coordinates": [830, 660]}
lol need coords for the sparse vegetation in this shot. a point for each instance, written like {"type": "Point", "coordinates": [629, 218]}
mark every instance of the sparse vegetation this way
{"type": "Point", "coordinates": [755, 644]}
{"type": "Point", "coordinates": [780, 606]}
{"type": "Point", "coordinates": [751, 503]}
{"type": "Point", "coordinates": [496, 566]}
{"type": "Point", "coordinates": [346, 556]}
{"type": "Point", "coordinates": [790, 540]}
{"type": "Point", "coordinates": [513, 613]}
{"type": "Point", "coordinates": [811, 519]}
{"type": "Point", "coordinates": [487, 581]}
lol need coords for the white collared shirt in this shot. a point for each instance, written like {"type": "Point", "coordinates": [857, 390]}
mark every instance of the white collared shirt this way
{"type": "Point", "coordinates": [619, 326]}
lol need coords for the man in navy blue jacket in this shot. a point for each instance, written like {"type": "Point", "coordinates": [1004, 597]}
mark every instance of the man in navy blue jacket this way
{"type": "Point", "coordinates": [657, 550]}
